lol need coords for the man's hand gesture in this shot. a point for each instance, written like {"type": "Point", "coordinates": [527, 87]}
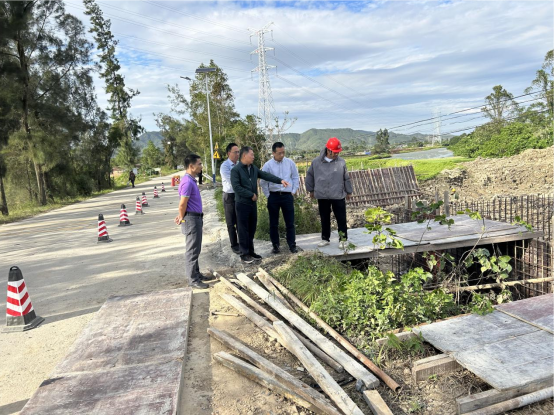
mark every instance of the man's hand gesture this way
{"type": "Point", "coordinates": [285, 183]}
{"type": "Point", "coordinates": [254, 197]}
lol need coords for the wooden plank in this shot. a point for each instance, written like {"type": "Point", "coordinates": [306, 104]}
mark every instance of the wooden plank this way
{"type": "Point", "coordinates": [264, 379]}
{"type": "Point", "coordinates": [273, 290]}
{"type": "Point", "coordinates": [312, 347]}
{"type": "Point", "coordinates": [438, 364]}
{"type": "Point", "coordinates": [401, 336]}
{"type": "Point", "coordinates": [339, 338]}
{"type": "Point", "coordinates": [251, 315]}
{"type": "Point", "coordinates": [515, 403]}
{"type": "Point", "coordinates": [489, 397]}
{"type": "Point", "coordinates": [302, 389]}
{"type": "Point", "coordinates": [376, 403]}
{"type": "Point", "coordinates": [316, 370]}
{"type": "Point", "coordinates": [349, 364]}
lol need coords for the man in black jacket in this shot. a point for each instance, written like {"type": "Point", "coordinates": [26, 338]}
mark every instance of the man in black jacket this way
{"type": "Point", "coordinates": [244, 178]}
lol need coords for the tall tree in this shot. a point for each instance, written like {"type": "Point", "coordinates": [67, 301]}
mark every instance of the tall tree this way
{"type": "Point", "coordinates": [499, 105]}
{"type": "Point", "coordinates": [124, 129]}
{"type": "Point", "coordinates": [46, 56]}
{"type": "Point", "coordinates": [382, 144]}
{"type": "Point", "coordinates": [544, 83]}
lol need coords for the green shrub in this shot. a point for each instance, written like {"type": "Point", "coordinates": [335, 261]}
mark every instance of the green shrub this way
{"type": "Point", "coordinates": [366, 303]}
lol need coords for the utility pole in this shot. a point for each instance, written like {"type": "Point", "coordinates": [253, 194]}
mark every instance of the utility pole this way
{"type": "Point", "coordinates": [438, 124]}
{"type": "Point", "coordinates": [266, 108]}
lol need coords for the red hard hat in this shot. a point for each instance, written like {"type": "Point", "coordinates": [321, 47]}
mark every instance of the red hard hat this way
{"type": "Point", "coordinates": [333, 144]}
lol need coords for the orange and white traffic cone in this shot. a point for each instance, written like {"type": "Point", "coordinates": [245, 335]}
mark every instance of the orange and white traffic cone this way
{"type": "Point", "coordinates": [123, 217]}
{"type": "Point", "coordinates": [138, 207]}
{"type": "Point", "coordinates": [163, 187]}
{"type": "Point", "coordinates": [144, 201]}
{"type": "Point", "coordinates": [103, 236]}
{"type": "Point", "coordinates": [20, 315]}
{"type": "Point", "coordinates": [156, 192]}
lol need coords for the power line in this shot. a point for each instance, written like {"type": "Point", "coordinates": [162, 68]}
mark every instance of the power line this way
{"type": "Point", "coordinates": [167, 23]}
{"type": "Point", "coordinates": [133, 22]}
{"type": "Point", "coordinates": [457, 112]}
{"type": "Point", "coordinates": [465, 115]}
{"type": "Point", "coordinates": [173, 46]}
{"type": "Point", "coordinates": [195, 16]}
{"type": "Point", "coordinates": [314, 81]}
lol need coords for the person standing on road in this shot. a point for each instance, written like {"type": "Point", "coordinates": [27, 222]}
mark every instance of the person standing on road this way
{"type": "Point", "coordinates": [280, 197]}
{"type": "Point", "coordinates": [244, 179]}
{"type": "Point", "coordinates": [132, 178]}
{"type": "Point", "coordinates": [190, 218]}
{"type": "Point", "coordinates": [229, 195]}
{"type": "Point", "coordinates": [328, 181]}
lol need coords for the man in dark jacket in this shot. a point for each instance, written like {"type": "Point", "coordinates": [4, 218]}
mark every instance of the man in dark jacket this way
{"type": "Point", "coordinates": [244, 178]}
{"type": "Point", "coordinates": [328, 181]}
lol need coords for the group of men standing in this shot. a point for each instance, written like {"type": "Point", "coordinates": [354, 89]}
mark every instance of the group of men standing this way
{"type": "Point", "coordinates": [327, 180]}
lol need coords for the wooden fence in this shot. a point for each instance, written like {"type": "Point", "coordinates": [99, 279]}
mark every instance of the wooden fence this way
{"type": "Point", "coordinates": [383, 187]}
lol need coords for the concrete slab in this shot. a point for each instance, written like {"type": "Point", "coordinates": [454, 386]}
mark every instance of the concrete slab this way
{"type": "Point", "coordinates": [416, 237]}
{"type": "Point", "coordinates": [128, 360]}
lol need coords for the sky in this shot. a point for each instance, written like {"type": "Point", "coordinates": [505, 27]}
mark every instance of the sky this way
{"type": "Point", "coordinates": [363, 65]}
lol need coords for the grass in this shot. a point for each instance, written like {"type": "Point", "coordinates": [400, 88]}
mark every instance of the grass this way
{"type": "Point", "coordinates": [425, 169]}
{"type": "Point", "coordinates": [30, 209]}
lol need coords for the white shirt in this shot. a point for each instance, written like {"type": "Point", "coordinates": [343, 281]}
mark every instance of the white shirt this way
{"type": "Point", "coordinates": [225, 171]}
{"type": "Point", "coordinates": [285, 169]}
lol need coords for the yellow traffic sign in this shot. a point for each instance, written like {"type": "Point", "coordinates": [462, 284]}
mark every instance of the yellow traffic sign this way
{"type": "Point", "coordinates": [216, 152]}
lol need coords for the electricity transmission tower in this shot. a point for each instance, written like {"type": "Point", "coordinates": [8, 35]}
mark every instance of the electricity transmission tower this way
{"type": "Point", "coordinates": [437, 130]}
{"type": "Point", "coordinates": [266, 108]}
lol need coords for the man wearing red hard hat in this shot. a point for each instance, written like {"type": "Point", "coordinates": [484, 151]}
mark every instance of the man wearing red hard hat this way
{"type": "Point", "coordinates": [328, 181]}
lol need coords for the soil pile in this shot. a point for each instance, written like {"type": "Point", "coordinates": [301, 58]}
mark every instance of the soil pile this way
{"type": "Point", "coordinates": [530, 172]}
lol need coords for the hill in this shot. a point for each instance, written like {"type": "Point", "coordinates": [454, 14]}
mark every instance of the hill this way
{"type": "Point", "coordinates": [315, 139]}
{"type": "Point", "coordinates": [155, 136]}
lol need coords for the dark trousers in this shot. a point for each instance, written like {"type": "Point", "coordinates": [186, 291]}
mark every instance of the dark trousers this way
{"type": "Point", "coordinates": [132, 182]}
{"type": "Point", "coordinates": [247, 220]}
{"type": "Point", "coordinates": [192, 230]}
{"type": "Point", "coordinates": [284, 202]}
{"type": "Point", "coordinates": [200, 178]}
{"type": "Point", "coordinates": [339, 208]}
{"type": "Point", "coordinates": [231, 218]}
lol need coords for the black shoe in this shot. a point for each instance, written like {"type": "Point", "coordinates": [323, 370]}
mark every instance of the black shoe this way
{"type": "Point", "coordinates": [255, 256]}
{"type": "Point", "coordinates": [236, 250]}
{"type": "Point", "coordinates": [197, 284]}
{"type": "Point", "coordinates": [275, 249]}
{"type": "Point", "coordinates": [295, 250]}
{"type": "Point", "coordinates": [247, 259]}
{"type": "Point", "coordinates": [204, 278]}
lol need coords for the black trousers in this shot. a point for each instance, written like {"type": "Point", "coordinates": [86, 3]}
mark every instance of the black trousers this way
{"type": "Point", "coordinates": [339, 208]}
{"type": "Point", "coordinates": [231, 218]}
{"type": "Point", "coordinates": [247, 220]}
{"type": "Point", "coordinates": [284, 202]}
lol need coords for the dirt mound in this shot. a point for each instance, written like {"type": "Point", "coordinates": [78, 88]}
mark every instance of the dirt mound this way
{"type": "Point", "coordinates": [530, 172]}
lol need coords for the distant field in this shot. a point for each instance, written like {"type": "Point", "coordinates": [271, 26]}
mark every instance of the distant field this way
{"type": "Point", "coordinates": [425, 169]}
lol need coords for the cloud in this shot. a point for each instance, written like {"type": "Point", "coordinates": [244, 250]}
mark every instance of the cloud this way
{"type": "Point", "coordinates": [364, 65]}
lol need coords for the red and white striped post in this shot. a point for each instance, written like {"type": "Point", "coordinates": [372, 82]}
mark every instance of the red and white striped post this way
{"type": "Point", "coordinates": [144, 201]}
{"type": "Point", "coordinates": [163, 187]}
{"type": "Point", "coordinates": [20, 315]}
{"type": "Point", "coordinates": [156, 192]}
{"type": "Point", "coordinates": [103, 236]}
{"type": "Point", "coordinates": [123, 217]}
{"type": "Point", "coordinates": [138, 207]}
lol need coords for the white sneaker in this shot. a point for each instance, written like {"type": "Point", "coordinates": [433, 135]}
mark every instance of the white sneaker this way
{"type": "Point", "coordinates": [343, 244]}
{"type": "Point", "coordinates": [323, 243]}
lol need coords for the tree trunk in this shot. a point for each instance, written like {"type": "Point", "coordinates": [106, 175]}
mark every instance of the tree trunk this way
{"type": "Point", "coordinates": [40, 183]}
{"type": "Point", "coordinates": [3, 202]}
{"type": "Point", "coordinates": [29, 185]}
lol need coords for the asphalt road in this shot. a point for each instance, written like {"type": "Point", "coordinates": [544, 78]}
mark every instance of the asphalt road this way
{"type": "Point", "coordinates": [69, 275]}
